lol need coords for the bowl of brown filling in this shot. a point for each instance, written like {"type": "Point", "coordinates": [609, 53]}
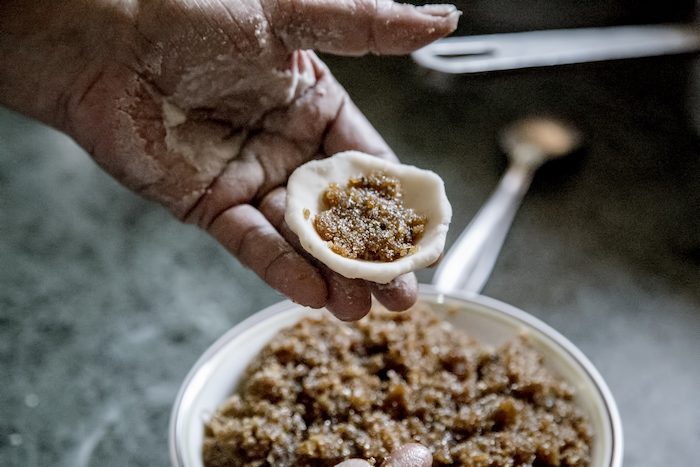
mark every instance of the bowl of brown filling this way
{"type": "Point", "coordinates": [479, 382]}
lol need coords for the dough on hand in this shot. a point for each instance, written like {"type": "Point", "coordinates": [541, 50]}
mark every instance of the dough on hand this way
{"type": "Point", "coordinates": [423, 191]}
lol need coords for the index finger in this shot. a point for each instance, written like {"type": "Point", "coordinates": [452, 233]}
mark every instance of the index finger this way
{"type": "Point", "coordinates": [248, 235]}
{"type": "Point", "coordinates": [357, 27]}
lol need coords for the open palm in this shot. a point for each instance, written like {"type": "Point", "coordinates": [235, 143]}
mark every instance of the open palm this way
{"type": "Point", "coordinates": [207, 107]}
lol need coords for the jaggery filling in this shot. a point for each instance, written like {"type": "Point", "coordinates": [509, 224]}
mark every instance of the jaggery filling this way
{"type": "Point", "coordinates": [368, 221]}
{"type": "Point", "coordinates": [324, 391]}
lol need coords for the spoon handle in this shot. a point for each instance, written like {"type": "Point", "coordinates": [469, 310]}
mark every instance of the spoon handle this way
{"type": "Point", "coordinates": [469, 262]}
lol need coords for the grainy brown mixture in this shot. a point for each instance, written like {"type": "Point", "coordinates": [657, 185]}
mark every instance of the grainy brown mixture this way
{"type": "Point", "coordinates": [368, 220]}
{"type": "Point", "coordinates": [324, 391]}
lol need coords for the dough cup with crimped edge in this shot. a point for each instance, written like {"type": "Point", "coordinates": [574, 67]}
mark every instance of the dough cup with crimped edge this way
{"type": "Point", "coordinates": [423, 191]}
{"type": "Point", "coordinates": [217, 373]}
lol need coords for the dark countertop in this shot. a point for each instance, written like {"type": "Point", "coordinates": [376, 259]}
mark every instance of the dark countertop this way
{"type": "Point", "coordinates": [106, 302]}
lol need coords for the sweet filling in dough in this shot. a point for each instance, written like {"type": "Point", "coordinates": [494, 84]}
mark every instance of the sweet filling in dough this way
{"type": "Point", "coordinates": [365, 217]}
{"type": "Point", "coordinates": [367, 220]}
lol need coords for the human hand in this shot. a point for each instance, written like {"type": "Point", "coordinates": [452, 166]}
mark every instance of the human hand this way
{"type": "Point", "coordinates": [408, 455]}
{"type": "Point", "coordinates": [207, 107]}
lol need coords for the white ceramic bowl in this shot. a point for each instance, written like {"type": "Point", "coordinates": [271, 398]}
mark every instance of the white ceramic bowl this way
{"type": "Point", "coordinates": [215, 375]}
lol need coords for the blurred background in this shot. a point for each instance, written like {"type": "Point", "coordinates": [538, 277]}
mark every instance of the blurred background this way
{"type": "Point", "coordinates": [106, 301]}
{"type": "Point", "coordinates": [495, 16]}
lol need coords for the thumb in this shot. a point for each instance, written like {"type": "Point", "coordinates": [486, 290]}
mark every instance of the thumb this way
{"type": "Point", "coordinates": [356, 27]}
{"type": "Point", "coordinates": [409, 455]}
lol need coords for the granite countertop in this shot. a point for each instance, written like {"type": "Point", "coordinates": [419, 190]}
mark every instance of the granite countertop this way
{"type": "Point", "coordinates": [106, 301]}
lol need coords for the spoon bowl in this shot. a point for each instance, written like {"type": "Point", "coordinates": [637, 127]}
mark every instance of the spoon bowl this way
{"type": "Point", "coordinates": [537, 140]}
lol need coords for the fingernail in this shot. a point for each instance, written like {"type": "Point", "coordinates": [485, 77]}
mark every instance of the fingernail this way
{"type": "Point", "coordinates": [440, 10]}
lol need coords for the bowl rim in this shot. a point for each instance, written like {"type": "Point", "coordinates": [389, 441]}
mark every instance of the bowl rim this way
{"type": "Point", "coordinates": [195, 378]}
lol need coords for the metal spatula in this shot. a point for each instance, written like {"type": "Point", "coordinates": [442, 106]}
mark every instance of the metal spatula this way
{"type": "Point", "coordinates": [493, 52]}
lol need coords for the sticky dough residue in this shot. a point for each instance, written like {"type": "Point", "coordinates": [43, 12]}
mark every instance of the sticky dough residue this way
{"type": "Point", "coordinates": [209, 145]}
{"type": "Point", "coordinates": [136, 172]}
{"type": "Point", "coordinates": [244, 95]}
{"type": "Point", "coordinates": [206, 116]}
{"type": "Point", "coordinates": [206, 146]}
{"type": "Point", "coordinates": [172, 163]}
{"type": "Point", "coordinates": [249, 77]}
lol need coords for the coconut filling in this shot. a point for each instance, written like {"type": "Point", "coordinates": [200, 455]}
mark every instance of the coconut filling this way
{"type": "Point", "coordinates": [368, 220]}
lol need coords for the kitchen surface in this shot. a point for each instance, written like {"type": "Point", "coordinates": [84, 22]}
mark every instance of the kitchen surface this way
{"type": "Point", "coordinates": [106, 301]}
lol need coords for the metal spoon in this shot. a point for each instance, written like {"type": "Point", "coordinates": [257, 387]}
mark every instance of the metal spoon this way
{"type": "Point", "coordinates": [529, 143]}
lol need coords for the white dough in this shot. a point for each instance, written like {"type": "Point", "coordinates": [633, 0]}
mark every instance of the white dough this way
{"type": "Point", "coordinates": [423, 191]}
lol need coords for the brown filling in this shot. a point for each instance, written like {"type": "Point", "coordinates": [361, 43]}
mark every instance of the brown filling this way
{"type": "Point", "coordinates": [368, 220]}
{"type": "Point", "coordinates": [324, 391]}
